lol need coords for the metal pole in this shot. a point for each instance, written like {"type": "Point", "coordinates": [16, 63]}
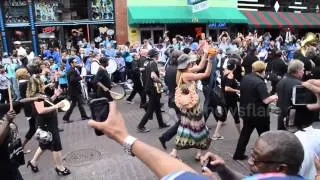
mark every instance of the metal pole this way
{"type": "Point", "coordinates": [33, 27]}
{"type": "Point", "coordinates": [3, 30]}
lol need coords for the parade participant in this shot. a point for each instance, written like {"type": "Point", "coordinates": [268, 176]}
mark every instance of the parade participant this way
{"type": "Point", "coordinates": [51, 52]}
{"type": "Point", "coordinates": [62, 78]}
{"type": "Point", "coordinates": [102, 79]}
{"type": "Point", "coordinates": [284, 89]}
{"type": "Point", "coordinates": [10, 69]}
{"type": "Point", "coordinates": [229, 86]}
{"type": "Point", "coordinates": [277, 68]}
{"type": "Point", "coordinates": [23, 77]}
{"type": "Point", "coordinates": [170, 80]}
{"type": "Point", "coordinates": [20, 50]}
{"type": "Point", "coordinates": [91, 48]}
{"type": "Point", "coordinates": [254, 100]}
{"type": "Point", "coordinates": [74, 92]}
{"type": "Point", "coordinates": [137, 84]}
{"type": "Point", "coordinates": [192, 131]}
{"type": "Point", "coordinates": [47, 121]}
{"type": "Point", "coordinates": [250, 58]}
{"type": "Point", "coordinates": [152, 89]}
{"type": "Point", "coordinates": [271, 158]}
{"type": "Point", "coordinates": [120, 74]}
{"type": "Point", "coordinates": [143, 61]}
{"type": "Point", "coordinates": [8, 169]}
{"type": "Point", "coordinates": [4, 84]}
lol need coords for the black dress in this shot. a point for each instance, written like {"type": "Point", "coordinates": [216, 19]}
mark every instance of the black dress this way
{"type": "Point", "coordinates": [49, 122]}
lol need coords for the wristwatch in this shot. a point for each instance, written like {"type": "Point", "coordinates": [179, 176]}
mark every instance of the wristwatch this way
{"type": "Point", "coordinates": [127, 145]}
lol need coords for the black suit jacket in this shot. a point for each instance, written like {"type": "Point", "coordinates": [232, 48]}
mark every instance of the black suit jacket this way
{"type": "Point", "coordinates": [74, 82]}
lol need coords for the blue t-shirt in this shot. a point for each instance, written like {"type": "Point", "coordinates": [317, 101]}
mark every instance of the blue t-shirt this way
{"type": "Point", "coordinates": [63, 77]}
{"type": "Point", "coordinates": [55, 55]}
{"type": "Point", "coordinates": [183, 175]}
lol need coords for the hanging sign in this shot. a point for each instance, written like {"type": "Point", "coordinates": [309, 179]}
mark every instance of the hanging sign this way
{"type": "Point", "coordinates": [200, 6]}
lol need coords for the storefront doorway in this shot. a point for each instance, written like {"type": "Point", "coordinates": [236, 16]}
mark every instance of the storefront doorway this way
{"type": "Point", "coordinates": [154, 34]}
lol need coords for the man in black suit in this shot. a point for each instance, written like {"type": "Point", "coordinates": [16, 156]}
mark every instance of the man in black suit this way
{"type": "Point", "coordinates": [74, 91]}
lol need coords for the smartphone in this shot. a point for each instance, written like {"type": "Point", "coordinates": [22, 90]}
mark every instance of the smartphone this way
{"type": "Point", "coordinates": [208, 165]}
{"type": "Point", "coordinates": [302, 96]}
{"type": "Point", "coordinates": [99, 111]}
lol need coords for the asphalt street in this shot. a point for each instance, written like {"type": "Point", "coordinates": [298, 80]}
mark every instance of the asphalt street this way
{"type": "Point", "coordinates": [99, 158]}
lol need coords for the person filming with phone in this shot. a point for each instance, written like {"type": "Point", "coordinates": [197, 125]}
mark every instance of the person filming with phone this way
{"type": "Point", "coordinates": [284, 89]}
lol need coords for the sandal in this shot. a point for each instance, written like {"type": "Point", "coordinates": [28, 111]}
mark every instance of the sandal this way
{"type": "Point", "coordinates": [215, 138]}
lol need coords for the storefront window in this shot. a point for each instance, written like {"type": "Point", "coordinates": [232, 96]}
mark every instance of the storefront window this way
{"type": "Point", "coordinates": [16, 11]}
{"type": "Point", "coordinates": [61, 10]}
{"type": "Point", "coordinates": [48, 10]}
{"type": "Point", "coordinates": [102, 9]}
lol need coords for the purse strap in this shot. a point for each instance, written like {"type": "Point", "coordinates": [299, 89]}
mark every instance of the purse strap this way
{"type": "Point", "coordinates": [180, 80]}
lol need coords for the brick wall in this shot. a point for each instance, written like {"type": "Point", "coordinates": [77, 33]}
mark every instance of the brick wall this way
{"type": "Point", "coordinates": [121, 21]}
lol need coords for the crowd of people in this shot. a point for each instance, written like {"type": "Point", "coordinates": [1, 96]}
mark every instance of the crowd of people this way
{"type": "Point", "coordinates": [232, 73]}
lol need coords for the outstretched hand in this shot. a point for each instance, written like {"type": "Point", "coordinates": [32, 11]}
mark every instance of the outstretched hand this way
{"type": "Point", "coordinates": [114, 127]}
{"type": "Point", "coordinates": [314, 86]}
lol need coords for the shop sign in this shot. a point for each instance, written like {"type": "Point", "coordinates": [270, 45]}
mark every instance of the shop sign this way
{"type": "Point", "coordinates": [217, 25]}
{"type": "Point", "coordinates": [48, 29]}
{"type": "Point", "coordinates": [193, 2]}
{"type": "Point", "coordinates": [200, 6]}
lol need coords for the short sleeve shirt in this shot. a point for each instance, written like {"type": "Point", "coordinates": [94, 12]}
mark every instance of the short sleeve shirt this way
{"type": "Point", "coordinates": [253, 90]}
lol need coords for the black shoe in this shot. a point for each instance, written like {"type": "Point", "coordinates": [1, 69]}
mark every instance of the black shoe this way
{"type": "Point", "coordinates": [163, 143]}
{"type": "Point", "coordinates": [65, 172]}
{"type": "Point", "coordinates": [143, 130]}
{"type": "Point", "coordinates": [164, 126]}
{"type": "Point", "coordinates": [85, 118]}
{"type": "Point", "coordinates": [240, 157]}
{"type": "Point", "coordinates": [34, 169]}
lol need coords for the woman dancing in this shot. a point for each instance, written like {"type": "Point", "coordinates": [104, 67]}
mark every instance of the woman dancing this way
{"type": "Point", "coordinates": [47, 120]}
{"type": "Point", "coordinates": [192, 132]}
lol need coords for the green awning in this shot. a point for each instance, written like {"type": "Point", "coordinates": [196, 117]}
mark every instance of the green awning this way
{"type": "Point", "coordinates": [264, 19]}
{"type": "Point", "coordinates": [183, 14]}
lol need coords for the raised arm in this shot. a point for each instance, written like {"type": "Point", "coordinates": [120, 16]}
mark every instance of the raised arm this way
{"type": "Point", "coordinates": [202, 63]}
{"type": "Point", "coordinates": [159, 162]}
{"type": "Point", "coordinates": [198, 76]}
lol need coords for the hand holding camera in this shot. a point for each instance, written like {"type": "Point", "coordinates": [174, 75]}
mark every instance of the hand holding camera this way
{"type": "Point", "coordinates": [114, 126]}
{"type": "Point", "coordinates": [212, 163]}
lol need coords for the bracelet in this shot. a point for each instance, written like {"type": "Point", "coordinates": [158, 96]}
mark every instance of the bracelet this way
{"type": "Point", "coordinates": [128, 143]}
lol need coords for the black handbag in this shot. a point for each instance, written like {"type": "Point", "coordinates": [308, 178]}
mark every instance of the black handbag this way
{"type": "Point", "coordinates": [16, 153]}
{"type": "Point", "coordinates": [219, 96]}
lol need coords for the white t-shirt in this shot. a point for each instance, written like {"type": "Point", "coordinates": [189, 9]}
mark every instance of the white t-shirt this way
{"type": "Point", "coordinates": [94, 67]}
{"type": "Point", "coordinates": [310, 140]}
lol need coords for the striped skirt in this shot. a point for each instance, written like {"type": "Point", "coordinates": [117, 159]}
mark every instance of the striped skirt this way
{"type": "Point", "coordinates": [192, 132]}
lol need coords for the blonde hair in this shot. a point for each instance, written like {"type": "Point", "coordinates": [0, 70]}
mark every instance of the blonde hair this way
{"type": "Point", "coordinates": [258, 66]}
{"type": "Point", "coordinates": [35, 86]}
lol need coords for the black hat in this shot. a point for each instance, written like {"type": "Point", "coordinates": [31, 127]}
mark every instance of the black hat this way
{"type": "Point", "coordinates": [153, 52]}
